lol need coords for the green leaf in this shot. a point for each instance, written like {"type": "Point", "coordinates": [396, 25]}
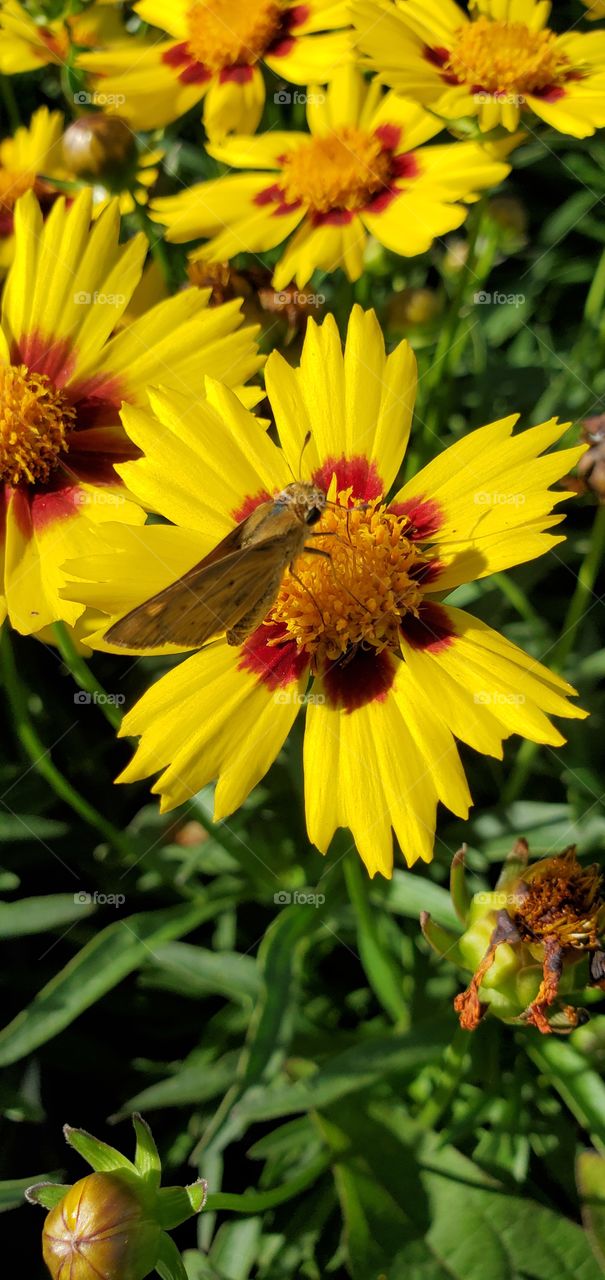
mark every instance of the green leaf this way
{"type": "Point", "coordinates": [178, 1204]}
{"type": "Point", "coordinates": [147, 1157]}
{"type": "Point", "coordinates": [582, 1088]}
{"type": "Point", "coordinates": [348, 1072]}
{"type": "Point", "coordinates": [194, 971]}
{"type": "Point", "coordinates": [99, 1155]}
{"type": "Point", "coordinates": [192, 1084]}
{"type": "Point", "coordinates": [48, 1194]}
{"type": "Point", "coordinates": [235, 1248]}
{"type": "Point", "coordinates": [409, 894]}
{"type": "Point", "coordinates": [383, 973]}
{"type": "Point", "coordinates": [416, 1209]}
{"type": "Point", "coordinates": [40, 915]}
{"type": "Point", "coordinates": [590, 1176]}
{"type": "Point", "coordinates": [114, 953]}
{"type": "Point", "coordinates": [170, 1265]}
{"type": "Point", "coordinates": [13, 1192]}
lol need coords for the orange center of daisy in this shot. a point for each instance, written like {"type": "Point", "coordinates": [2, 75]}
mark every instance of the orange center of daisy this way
{"type": "Point", "coordinates": [34, 421]}
{"type": "Point", "coordinates": [359, 595]}
{"type": "Point", "coordinates": [505, 57]}
{"type": "Point", "coordinates": [224, 33]}
{"type": "Point", "coordinates": [13, 185]}
{"type": "Point", "coordinates": [339, 171]}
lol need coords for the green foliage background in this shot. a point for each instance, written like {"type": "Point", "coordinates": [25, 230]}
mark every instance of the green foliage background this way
{"type": "Point", "coordinates": [305, 1058]}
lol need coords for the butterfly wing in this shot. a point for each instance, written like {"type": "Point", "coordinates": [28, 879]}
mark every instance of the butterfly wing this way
{"type": "Point", "coordinates": [211, 598]}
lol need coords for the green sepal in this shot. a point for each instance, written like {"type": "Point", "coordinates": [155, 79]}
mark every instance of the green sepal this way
{"type": "Point", "coordinates": [147, 1157]}
{"type": "Point", "coordinates": [459, 890]}
{"type": "Point", "coordinates": [170, 1265]}
{"type": "Point", "coordinates": [441, 940]}
{"type": "Point", "coordinates": [48, 1194]}
{"type": "Point", "coordinates": [99, 1155]}
{"type": "Point", "coordinates": [177, 1204]}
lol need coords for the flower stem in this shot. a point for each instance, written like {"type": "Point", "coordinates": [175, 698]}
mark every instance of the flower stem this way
{"type": "Point", "coordinates": [454, 1063]}
{"type": "Point", "coordinates": [39, 755]}
{"type": "Point", "coordinates": [83, 675]}
{"type": "Point", "coordinates": [451, 343]}
{"type": "Point", "coordinates": [10, 102]}
{"type": "Point", "coordinates": [379, 966]}
{"type": "Point", "coordinates": [155, 240]}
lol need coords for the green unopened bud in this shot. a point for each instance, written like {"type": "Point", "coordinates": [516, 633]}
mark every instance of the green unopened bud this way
{"type": "Point", "coordinates": [102, 1227]}
{"type": "Point", "coordinates": [532, 944]}
{"type": "Point", "coordinates": [102, 149]}
{"type": "Point", "coordinates": [113, 1224]}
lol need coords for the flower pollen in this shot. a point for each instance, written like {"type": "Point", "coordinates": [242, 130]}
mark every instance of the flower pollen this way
{"type": "Point", "coordinates": [505, 58]}
{"type": "Point", "coordinates": [35, 419]}
{"type": "Point", "coordinates": [227, 33]}
{"type": "Point", "coordinates": [356, 591]}
{"type": "Point", "coordinates": [341, 170]}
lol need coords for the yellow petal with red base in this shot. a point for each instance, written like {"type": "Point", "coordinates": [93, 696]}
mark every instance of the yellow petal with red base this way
{"type": "Point", "coordinates": [226, 725]}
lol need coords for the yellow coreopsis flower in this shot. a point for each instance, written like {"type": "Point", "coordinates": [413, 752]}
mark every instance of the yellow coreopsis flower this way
{"type": "Point", "coordinates": [363, 170]}
{"type": "Point", "coordinates": [395, 672]}
{"type": "Point", "coordinates": [64, 373]}
{"type": "Point", "coordinates": [499, 62]}
{"type": "Point", "coordinates": [215, 52]}
{"type": "Point", "coordinates": [27, 44]}
{"type": "Point", "coordinates": [33, 150]}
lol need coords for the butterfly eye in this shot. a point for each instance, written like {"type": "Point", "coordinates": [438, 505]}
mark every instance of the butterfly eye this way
{"type": "Point", "coordinates": [313, 515]}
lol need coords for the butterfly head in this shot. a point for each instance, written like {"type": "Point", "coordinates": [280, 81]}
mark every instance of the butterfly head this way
{"type": "Point", "coordinates": [306, 501]}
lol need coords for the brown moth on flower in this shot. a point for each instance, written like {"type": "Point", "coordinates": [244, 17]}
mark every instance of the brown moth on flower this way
{"type": "Point", "coordinates": [533, 945]}
{"type": "Point", "coordinates": [112, 1224]}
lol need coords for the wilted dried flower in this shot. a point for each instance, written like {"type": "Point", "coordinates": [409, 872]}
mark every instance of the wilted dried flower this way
{"type": "Point", "coordinates": [527, 942]}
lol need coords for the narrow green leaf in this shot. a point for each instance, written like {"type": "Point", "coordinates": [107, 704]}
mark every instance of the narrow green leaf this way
{"type": "Point", "coordinates": [590, 1176]}
{"type": "Point", "coordinates": [114, 953]}
{"type": "Point", "coordinates": [408, 894]}
{"type": "Point", "coordinates": [348, 1072]}
{"type": "Point", "coordinates": [235, 1247]}
{"type": "Point", "coordinates": [40, 915]}
{"type": "Point", "coordinates": [582, 1088]}
{"type": "Point", "coordinates": [192, 1084]}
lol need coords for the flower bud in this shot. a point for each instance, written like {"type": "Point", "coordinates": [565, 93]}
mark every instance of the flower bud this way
{"type": "Point", "coordinates": [100, 148]}
{"type": "Point", "coordinates": [413, 309]}
{"type": "Point", "coordinates": [532, 945]}
{"type": "Point", "coordinates": [113, 1224]}
{"type": "Point", "coordinates": [101, 1228]}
